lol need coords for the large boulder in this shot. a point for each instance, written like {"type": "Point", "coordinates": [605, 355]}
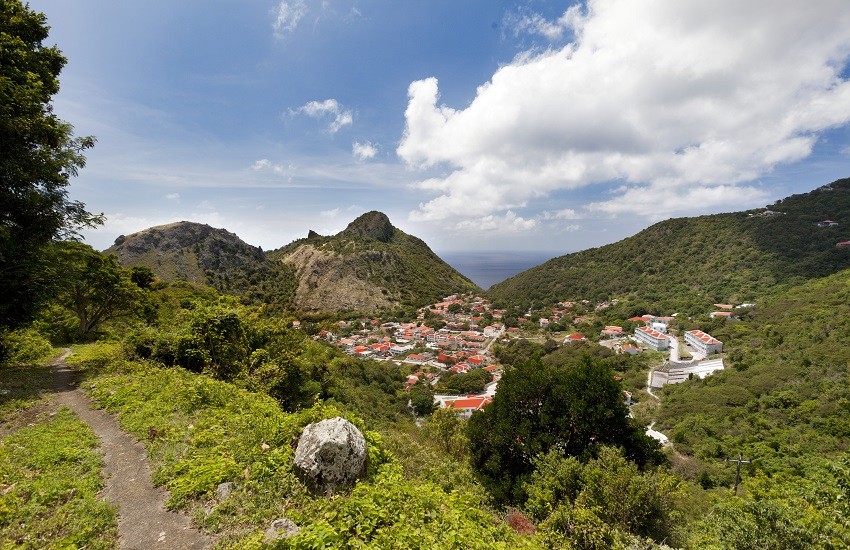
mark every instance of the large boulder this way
{"type": "Point", "coordinates": [331, 455]}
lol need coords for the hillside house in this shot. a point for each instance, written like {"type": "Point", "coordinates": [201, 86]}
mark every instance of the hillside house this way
{"type": "Point", "coordinates": [705, 344]}
{"type": "Point", "coordinates": [575, 337]}
{"type": "Point", "coordinates": [465, 406]}
{"type": "Point", "coordinates": [828, 223]}
{"type": "Point", "coordinates": [612, 331]}
{"type": "Point", "coordinates": [843, 244]}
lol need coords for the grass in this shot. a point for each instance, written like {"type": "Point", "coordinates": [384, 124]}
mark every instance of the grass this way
{"type": "Point", "coordinates": [49, 470]}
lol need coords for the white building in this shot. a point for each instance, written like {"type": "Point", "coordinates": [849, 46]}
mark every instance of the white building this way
{"type": "Point", "coordinates": [705, 344]}
{"type": "Point", "coordinates": [652, 338]}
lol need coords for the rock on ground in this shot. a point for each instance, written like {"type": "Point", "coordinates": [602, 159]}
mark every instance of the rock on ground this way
{"type": "Point", "coordinates": [331, 455]}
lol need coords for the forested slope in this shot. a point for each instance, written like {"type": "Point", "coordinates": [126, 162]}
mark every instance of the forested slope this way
{"type": "Point", "coordinates": [785, 398]}
{"type": "Point", "coordinates": [679, 262]}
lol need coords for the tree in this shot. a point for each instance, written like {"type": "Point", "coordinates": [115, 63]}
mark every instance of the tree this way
{"type": "Point", "coordinates": [93, 285]}
{"type": "Point", "coordinates": [142, 276]}
{"type": "Point", "coordinates": [422, 399]}
{"type": "Point", "coordinates": [39, 156]}
{"type": "Point", "coordinates": [571, 407]}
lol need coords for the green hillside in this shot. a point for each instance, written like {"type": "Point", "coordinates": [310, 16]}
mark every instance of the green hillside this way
{"type": "Point", "coordinates": [202, 254]}
{"type": "Point", "coordinates": [678, 262]}
{"type": "Point", "coordinates": [369, 266]}
{"type": "Point", "coordinates": [785, 397]}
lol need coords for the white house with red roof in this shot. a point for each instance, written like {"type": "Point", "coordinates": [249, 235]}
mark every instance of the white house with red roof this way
{"type": "Point", "coordinates": [704, 343]}
{"type": "Point", "coordinates": [574, 337]}
{"type": "Point", "coordinates": [465, 406]}
{"type": "Point", "coordinates": [652, 338]}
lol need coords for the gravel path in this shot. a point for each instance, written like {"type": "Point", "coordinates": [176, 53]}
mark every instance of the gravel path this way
{"type": "Point", "coordinates": [143, 521]}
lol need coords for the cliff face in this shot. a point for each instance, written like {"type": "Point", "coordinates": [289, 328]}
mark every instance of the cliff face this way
{"type": "Point", "coordinates": [367, 267]}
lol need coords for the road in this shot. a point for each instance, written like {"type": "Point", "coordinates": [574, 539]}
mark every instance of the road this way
{"type": "Point", "coordinates": [674, 348]}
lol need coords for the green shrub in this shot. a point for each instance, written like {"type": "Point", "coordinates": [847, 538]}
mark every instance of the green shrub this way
{"type": "Point", "coordinates": [23, 347]}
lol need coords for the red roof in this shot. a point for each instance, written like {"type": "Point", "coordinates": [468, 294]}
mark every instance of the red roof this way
{"type": "Point", "coordinates": [473, 403]}
{"type": "Point", "coordinates": [576, 337]}
{"type": "Point", "coordinates": [653, 333]}
{"type": "Point", "coordinates": [707, 338]}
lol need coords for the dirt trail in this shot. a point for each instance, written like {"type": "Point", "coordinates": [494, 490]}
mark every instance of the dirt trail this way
{"type": "Point", "coordinates": [143, 521]}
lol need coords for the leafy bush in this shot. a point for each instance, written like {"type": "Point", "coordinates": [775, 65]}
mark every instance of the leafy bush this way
{"type": "Point", "coordinates": [23, 346]}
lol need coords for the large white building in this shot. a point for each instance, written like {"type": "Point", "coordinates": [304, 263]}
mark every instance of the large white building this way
{"type": "Point", "coordinates": [704, 343]}
{"type": "Point", "coordinates": [652, 338]}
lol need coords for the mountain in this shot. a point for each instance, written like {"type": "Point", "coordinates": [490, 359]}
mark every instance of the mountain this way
{"type": "Point", "coordinates": [368, 267]}
{"type": "Point", "coordinates": [679, 262]}
{"type": "Point", "coordinates": [202, 254]}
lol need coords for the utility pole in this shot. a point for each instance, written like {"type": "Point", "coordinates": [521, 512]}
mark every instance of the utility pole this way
{"type": "Point", "coordinates": [740, 460]}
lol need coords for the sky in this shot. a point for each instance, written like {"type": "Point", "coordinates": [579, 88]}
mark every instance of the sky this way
{"type": "Point", "coordinates": [476, 125]}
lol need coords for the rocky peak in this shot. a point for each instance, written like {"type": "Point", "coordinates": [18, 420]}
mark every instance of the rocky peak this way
{"type": "Point", "coordinates": [371, 225]}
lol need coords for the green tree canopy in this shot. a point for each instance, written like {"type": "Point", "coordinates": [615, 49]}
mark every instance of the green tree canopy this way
{"type": "Point", "coordinates": [93, 285]}
{"type": "Point", "coordinates": [39, 156]}
{"type": "Point", "coordinates": [570, 406]}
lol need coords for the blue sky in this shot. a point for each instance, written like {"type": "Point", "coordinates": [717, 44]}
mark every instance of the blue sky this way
{"type": "Point", "coordinates": [474, 124]}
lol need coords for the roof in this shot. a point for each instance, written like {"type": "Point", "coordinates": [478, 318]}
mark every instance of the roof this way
{"type": "Point", "coordinates": [653, 333]}
{"type": "Point", "coordinates": [703, 337]}
{"type": "Point", "coordinates": [473, 403]}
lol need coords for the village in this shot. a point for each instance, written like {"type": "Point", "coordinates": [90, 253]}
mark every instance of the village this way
{"type": "Point", "coordinates": [447, 348]}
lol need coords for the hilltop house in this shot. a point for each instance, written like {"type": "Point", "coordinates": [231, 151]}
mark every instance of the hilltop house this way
{"type": "Point", "coordinates": [702, 342]}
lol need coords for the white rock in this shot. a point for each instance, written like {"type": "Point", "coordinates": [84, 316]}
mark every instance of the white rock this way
{"type": "Point", "coordinates": [331, 455]}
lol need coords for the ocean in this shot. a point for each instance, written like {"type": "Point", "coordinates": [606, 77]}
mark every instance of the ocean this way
{"type": "Point", "coordinates": [488, 268]}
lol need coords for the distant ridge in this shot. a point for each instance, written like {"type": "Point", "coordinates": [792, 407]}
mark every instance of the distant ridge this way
{"type": "Point", "coordinates": [683, 261]}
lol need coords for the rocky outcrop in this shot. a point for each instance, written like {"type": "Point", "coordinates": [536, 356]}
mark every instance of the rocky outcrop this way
{"type": "Point", "coordinates": [331, 455]}
{"type": "Point", "coordinates": [371, 225]}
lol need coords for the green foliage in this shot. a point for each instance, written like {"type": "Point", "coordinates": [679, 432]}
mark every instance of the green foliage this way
{"type": "Point", "coordinates": [50, 479]}
{"type": "Point", "coordinates": [93, 286]}
{"type": "Point", "coordinates": [784, 512]}
{"type": "Point", "coordinates": [207, 431]}
{"type": "Point", "coordinates": [394, 513]}
{"type": "Point", "coordinates": [785, 397]}
{"type": "Point", "coordinates": [23, 346]}
{"type": "Point", "coordinates": [422, 399]}
{"type": "Point", "coordinates": [570, 403]}
{"type": "Point", "coordinates": [687, 264]}
{"type": "Point", "coordinates": [39, 157]}
{"type": "Point", "coordinates": [470, 382]}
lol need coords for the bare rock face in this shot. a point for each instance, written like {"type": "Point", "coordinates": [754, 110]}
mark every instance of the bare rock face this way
{"type": "Point", "coordinates": [331, 455]}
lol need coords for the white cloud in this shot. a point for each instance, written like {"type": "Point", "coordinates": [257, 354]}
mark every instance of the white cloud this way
{"type": "Point", "coordinates": [330, 213]}
{"type": "Point", "coordinates": [287, 15]}
{"type": "Point", "coordinates": [363, 151]}
{"type": "Point", "coordinates": [534, 23]}
{"type": "Point", "coordinates": [324, 109]}
{"type": "Point", "coordinates": [172, 196]}
{"type": "Point", "coordinates": [682, 102]}
{"type": "Point", "coordinates": [509, 223]}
